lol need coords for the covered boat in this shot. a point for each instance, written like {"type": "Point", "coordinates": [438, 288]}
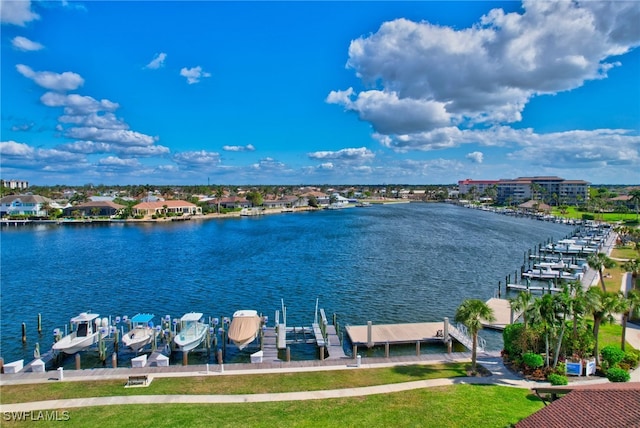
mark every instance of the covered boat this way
{"type": "Point", "coordinates": [245, 327]}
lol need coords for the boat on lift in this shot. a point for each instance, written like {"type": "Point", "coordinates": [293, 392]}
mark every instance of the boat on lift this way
{"type": "Point", "coordinates": [245, 327]}
{"type": "Point", "coordinates": [142, 332]}
{"type": "Point", "coordinates": [192, 332]}
{"type": "Point", "coordinates": [86, 332]}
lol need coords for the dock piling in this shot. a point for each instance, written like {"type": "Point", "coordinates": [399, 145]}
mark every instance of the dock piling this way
{"type": "Point", "coordinates": [418, 348]}
{"type": "Point", "coordinates": [114, 360]}
{"type": "Point", "coordinates": [39, 324]}
{"type": "Point", "coordinates": [24, 333]}
{"type": "Point", "coordinates": [369, 335]}
{"type": "Point", "coordinates": [288, 354]}
{"type": "Point", "coordinates": [78, 362]}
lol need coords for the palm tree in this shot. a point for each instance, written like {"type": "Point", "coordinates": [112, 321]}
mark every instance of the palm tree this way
{"type": "Point", "coordinates": [521, 303]}
{"type": "Point", "coordinates": [631, 307]}
{"type": "Point", "coordinates": [633, 267]}
{"type": "Point", "coordinates": [543, 313]}
{"type": "Point", "coordinates": [471, 312]}
{"type": "Point", "coordinates": [635, 198]}
{"type": "Point", "coordinates": [602, 305]}
{"type": "Point", "coordinates": [600, 261]}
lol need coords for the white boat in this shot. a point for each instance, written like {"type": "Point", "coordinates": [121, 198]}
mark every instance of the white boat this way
{"type": "Point", "coordinates": [85, 333]}
{"type": "Point", "coordinates": [192, 332]}
{"type": "Point", "coordinates": [142, 332]}
{"type": "Point", "coordinates": [245, 327]}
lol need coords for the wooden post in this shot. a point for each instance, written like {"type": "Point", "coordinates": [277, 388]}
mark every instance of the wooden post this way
{"type": "Point", "coordinates": [39, 324]}
{"type": "Point", "coordinates": [1, 365]}
{"type": "Point", "coordinates": [185, 358]}
{"type": "Point", "coordinates": [417, 348]}
{"type": "Point", "coordinates": [78, 365]}
{"type": "Point", "coordinates": [220, 356]}
{"type": "Point", "coordinates": [322, 353]}
{"type": "Point", "coordinates": [24, 333]}
{"type": "Point", "coordinates": [288, 354]}
{"type": "Point", "coordinates": [355, 350]}
{"type": "Point", "coordinates": [499, 289]}
{"type": "Point", "coordinates": [449, 347]}
{"type": "Point", "coordinates": [114, 360]}
{"type": "Point", "coordinates": [386, 350]}
{"type": "Point", "coordinates": [369, 334]}
{"type": "Point", "coordinates": [116, 340]}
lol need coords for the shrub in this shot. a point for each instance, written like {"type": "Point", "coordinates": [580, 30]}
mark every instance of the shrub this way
{"type": "Point", "coordinates": [557, 379]}
{"type": "Point", "coordinates": [532, 360]}
{"type": "Point", "coordinates": [510, 337]}
{"type": "Point", "coordinates": [631, 358]}
{"type": "Point", "coordinates": [611, 355]}
{"type": "Point", "coordinates": [616, 374]}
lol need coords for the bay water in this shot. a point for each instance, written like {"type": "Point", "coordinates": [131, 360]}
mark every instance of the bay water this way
{"type": "Point", "coordinates": [394, 263]}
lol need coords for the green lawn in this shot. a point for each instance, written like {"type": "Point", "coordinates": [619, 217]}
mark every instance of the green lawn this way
{"type": "Point", "coordinates": [239, 384]}
{"type": "Point", "coordinates": [450, 406]}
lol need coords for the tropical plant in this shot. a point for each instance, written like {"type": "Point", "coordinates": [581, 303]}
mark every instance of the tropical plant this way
{"type": "Point", "coordinates": [544, 314]}
{"type": "Point", "coordinates": [599, 262]}
{"type": "Point", "coordinates": [532, 360]}
{"type": "Point", "coordinates": [471, 312]}
{"type": "Point", "coordinates": [520, 304]}
{"type": "Point", "coordinates": [635, 198]}
{"type": "Point", "coordinates": [631, 307]}
{"type": "Point", "coordinates": [602, 305]}
{"type": "Point", "coordinates": [616, 374]}
{"type": "Point", "coordinates": [611, 356]}
{"type": "Point", "coordinates": [632, 266]}
{"type": "Point", "coordinates": [556, 379]}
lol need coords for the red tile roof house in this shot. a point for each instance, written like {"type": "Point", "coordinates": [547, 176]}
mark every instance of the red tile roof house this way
{"type": "Point", "coordinates": [176, 207]}
{"type": "Point", "coordinates": [602, 405]}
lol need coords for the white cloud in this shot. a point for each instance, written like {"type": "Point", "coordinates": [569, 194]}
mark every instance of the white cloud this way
{"type": "Point", "coordinates": [77, 105]}
{"type": "Point", "coordinates": [247, 148]}
{"type": "Point", "coordinates": [422, 77]}
{"type": "Point", "coordinates": [476, 157]}
{"type": "Point", "coordinates": [17, 12]}
{"type": "Point", "coordinates": [66, 81]}
{"type": "Point", "coordinates": [118, 163]}
{"type": "Point", "coordinates": [350, 155]}
{"type": "Point", "coordinates": [196, 158]}
{"type": "Point", "coordinates": [24, 44]}
{"type": "Point", "coordinates": [20, 155]}
{"type": "Point", "coordinates": [157, 62]}
{"type": "Point", "coordinates": [93, 147]}
{"type": "Point", "coordinates": [107, 120]}
{"type": "Point", "coordinates": [194, 74]}
{"type": "Point", "coordinates": [118, 136]}
{"type": "Point", "coordinates": [270, 165]}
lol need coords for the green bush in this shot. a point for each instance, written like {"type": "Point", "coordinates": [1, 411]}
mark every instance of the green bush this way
{"type": "Point", "coordinates": [510, 336]}
{"type": "Point", "coordinates": [557, 379]}
{"type": "Point", "coordinates": [588, 216]}
{"type": "Point", "coordinates": [616, 374]}
{"type": "Point", "coordinates": [631, 358]}
{"type": "Point", "coordinates": [532, 360]}
{"type": "Point", "coordinates": [611, 355]}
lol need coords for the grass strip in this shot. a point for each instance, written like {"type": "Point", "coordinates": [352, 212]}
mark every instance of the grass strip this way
{"type": "Point", "coordinates": [448, 406]}
{"type": "Point", "coordinates": [234, 384]}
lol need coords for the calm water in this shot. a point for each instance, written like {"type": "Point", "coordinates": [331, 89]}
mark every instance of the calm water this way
{"type": "Point", "coordinates": [386, 264]}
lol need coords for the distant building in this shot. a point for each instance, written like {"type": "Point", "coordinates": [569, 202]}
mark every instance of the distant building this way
{"type": "Point", "coordinates": [549, 189]}
{"type": "Point", "coordinates": [15, 184]}
{"type": "Point", "coordinates": [94, 209]}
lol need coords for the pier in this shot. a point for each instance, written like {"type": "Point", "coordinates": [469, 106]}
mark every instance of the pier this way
{"type": "Point", "coordinates": [371, 335]}
{"type": "Point", "coordinates": [502, 313]}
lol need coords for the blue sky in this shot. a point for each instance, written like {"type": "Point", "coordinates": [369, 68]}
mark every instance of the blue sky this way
{"type": "Point", "coordinates": [158, 92]}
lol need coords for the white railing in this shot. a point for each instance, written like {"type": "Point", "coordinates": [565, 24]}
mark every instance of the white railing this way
{"type": "Point", "coordinates": [461, 334]}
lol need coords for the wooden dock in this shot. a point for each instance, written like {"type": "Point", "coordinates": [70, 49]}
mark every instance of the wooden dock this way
{"type": "Point", "coordinates": [502, 312]}
{"type": "Point", "coordinates": [541, 288]}
{"type": "Point", "coordinates": [269, 349]}
{"type": "Point", "coordinates": [334, 347]}
{"type": "Point", "coordinates": [395, 333]}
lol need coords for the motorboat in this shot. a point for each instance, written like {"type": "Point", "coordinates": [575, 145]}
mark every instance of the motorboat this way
{"type": "Point", "coordinates": [141, 333]}
{"type": "Point", "coordinates": [192, 332]}
{"type": "Point", "coordinates": [245, 327]}
{"type": "Point", "coordinates": [86, 332]}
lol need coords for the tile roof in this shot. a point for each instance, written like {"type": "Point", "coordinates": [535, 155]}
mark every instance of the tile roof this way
{"type": "Point", "coordinates": [606, 405]}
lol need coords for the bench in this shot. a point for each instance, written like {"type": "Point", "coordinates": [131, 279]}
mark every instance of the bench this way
{"type": "Point", "coordinates": [138, 380]}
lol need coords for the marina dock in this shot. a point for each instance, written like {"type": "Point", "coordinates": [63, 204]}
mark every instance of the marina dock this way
{"type": "Point", "coordinates": [502, 312]}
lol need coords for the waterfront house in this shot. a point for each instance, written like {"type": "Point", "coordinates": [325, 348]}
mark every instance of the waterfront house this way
{"type": "Point", "coordinates": [533, 206]}
{"type": "Point", "coordinates": [231, 202]}
{"type": "Point", "coordinates": [284, 202]}
{"type": "Point", "coordinates": [174, 207]}
{"type": "Point", "coordinates": [27, 205]}
{"type": "Point", "coordinates": [98, 208]}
